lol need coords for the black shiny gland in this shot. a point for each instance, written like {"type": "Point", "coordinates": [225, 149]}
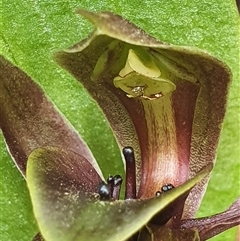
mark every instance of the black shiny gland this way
{"type": "Point", "coordinates": [104, 191]}
{"type": "Point", "coordinates": [111, 189]}
{"type": "Point", "coordinates": [165, 188]}
{"type": "Point", "coordinates": [115, 180]}
{"type": "Point", "coordinates": [158, 193]}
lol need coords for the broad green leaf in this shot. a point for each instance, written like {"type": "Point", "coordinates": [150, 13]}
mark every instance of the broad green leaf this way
{"type": "Point", "coordinates": [67, 206]}
{"type": "Point", "coordinates": [174, 130]}
{"type": "Point", "coordinates": [33, 30]}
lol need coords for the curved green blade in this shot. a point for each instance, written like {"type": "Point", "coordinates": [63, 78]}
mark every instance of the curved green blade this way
{"type": "Point", "coordinates": [67, 206]}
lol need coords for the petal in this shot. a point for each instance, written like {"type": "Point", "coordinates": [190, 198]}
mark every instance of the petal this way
{"type": "Point", "coordinates": [29, 120]}
{"type": "Point", "coordinates": [67, 206]}
{"type": "Point", "coordinates": [153, 233]}
{"type": "Point", "coordinates": [175, 135]}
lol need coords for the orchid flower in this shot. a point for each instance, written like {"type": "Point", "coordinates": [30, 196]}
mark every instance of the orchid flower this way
{"type": "Point", "coordinates": [165, 105]}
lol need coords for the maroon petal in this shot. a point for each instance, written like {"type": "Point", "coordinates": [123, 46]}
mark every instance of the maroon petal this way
{"type": "Point", "coordinates": [213, 225]}
{"type": "Point", "coordinates": [175, 135]}
{"type": "Point", "coordinates": [29, 120]}
{"type": "Point", "coordinates": [164, 233]}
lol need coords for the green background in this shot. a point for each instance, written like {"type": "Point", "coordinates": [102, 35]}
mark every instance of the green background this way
{"type": "Point", "coordinates": [32, 30]}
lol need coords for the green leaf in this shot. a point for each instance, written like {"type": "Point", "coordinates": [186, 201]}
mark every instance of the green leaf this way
{"type": "Point", "coordinates": [67, 206]}
{"type": "Point", "coordinates": [33, 30]}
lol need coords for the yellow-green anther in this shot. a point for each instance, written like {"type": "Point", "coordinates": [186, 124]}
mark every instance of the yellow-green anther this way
{"type": "Point", "coordinates": [141, 77]}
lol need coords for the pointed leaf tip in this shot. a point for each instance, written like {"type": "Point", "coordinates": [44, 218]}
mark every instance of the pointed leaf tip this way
{"type": "Point", "coordinates": [213, 225]}
{"type": "Point", "coordinates": [63, 189]}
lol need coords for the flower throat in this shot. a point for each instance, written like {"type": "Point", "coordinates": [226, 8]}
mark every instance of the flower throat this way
{"type": "Point", "coordinates": [111, 189]}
